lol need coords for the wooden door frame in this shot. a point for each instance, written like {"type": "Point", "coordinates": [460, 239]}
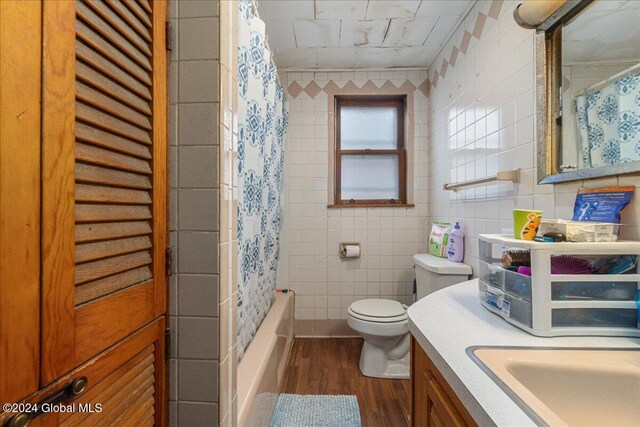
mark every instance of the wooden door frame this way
{"type": "Point", "coordinates": [20, 74]}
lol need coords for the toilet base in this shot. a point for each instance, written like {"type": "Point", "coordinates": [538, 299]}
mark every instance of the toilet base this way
{"type": "Point", "coordinates": [375, 363]}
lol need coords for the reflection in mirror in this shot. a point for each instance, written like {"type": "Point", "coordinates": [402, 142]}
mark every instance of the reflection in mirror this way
{"type": "Point", "coordinates": [600, 88]}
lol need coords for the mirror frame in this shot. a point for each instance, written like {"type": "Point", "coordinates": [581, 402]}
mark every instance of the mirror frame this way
{"type": "Point", "coordinates": [548, 45]}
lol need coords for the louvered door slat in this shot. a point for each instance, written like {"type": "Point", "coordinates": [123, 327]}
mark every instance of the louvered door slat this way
{"type": "Point", "coordinates": [140, 414]}
{"type": "Point", "coordinates": [111, 230]}
{"type": "Point", "coordinates": [97, 250]}
{"type": "Point", "coordinates": [93, 58]}
{"type": "Point", "coordinates": [93, 135]}
{"type": "Point", "coordinates": [138, 11]}
{"type": "Point", "coordinates": [97, 99]}
{"type": "Point", "coordinates": [126, 14]}
{"type": "Point", "coordinates": [106, 84]}
{"type": "Point", "coordinates": [96, 117]}
{"type": "Point", "coordinates": [98, 156]}
{"type": "Point", "coordinates": [118, 379]}
{"type": "Point", "coordinates": [95, 193]}
{"type": "Point", "coordinates": [125, 398]}
{"type": "Point", "coordinates": [144, 402]}
{"type": "Point", "coordinates": [104, 28]}
{"type": "Point", "coordinates": [94, 289]}
{"type": "Point", "coordinates": [95, 270]}
{"type": "Point", "coordinates": [116, 22]}
{"type": "Point", "coordinates": [145, 5]}
{"type": "Point", "coordinates": [102, 46]}
{"type": "Point", "coordinates": [104, 213]}
{"type": "Point", "coordinates": [98, 175]}
{"type": "Point", "coordinates": [129, 383]}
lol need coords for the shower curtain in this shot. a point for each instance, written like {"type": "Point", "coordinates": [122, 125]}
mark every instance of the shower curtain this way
{"type": "Point", "coordinates": [262, 125]}
{"type": "Point", "coordinates": [609, 123]}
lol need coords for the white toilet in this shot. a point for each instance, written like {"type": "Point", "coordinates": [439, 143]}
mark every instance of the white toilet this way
{"type": "Point", "coordinates": [383, 323]}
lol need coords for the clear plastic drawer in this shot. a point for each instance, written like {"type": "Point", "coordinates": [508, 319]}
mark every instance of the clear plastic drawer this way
{"type": "Point", "coordinates": [590, 291]}
{"type": "Point", "coordinates": [506, 305]}
{"type": "Point", "coordinates": [511, 282]}
{"type": "Point", "coordinates": [595, 317]}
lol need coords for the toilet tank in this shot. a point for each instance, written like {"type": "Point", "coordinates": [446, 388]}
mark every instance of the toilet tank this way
{"type": "Point", "coordinates": [434, 273]}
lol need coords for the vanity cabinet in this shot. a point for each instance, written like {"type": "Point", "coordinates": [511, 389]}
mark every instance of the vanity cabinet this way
{"type": "Point", "coordinates": [433, 402]}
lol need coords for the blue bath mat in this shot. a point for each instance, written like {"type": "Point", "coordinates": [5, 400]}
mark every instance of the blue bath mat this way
{"type": "Point", "coordinates": [297, 410]}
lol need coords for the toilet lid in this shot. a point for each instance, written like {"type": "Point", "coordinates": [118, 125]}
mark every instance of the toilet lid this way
{"type": "Point", "coordinates": [380, 308]}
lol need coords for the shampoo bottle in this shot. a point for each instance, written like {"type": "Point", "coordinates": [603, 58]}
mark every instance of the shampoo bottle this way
{"type": "Point", "coordinates": [455, 249]}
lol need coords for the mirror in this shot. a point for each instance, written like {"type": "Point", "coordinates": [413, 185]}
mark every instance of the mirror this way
{"type": "Point", "coordinates": [589, 92]}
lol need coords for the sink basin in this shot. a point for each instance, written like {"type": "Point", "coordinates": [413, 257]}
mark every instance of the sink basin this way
{"type": "Point", "coordinates": [568, 387]}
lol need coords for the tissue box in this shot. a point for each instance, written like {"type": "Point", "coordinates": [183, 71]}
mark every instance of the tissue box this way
{"type": "Point", "coordinates": [580, 231]}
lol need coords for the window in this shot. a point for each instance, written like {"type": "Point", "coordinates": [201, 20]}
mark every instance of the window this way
{"type": "Point", "coordinates": [370, 155]}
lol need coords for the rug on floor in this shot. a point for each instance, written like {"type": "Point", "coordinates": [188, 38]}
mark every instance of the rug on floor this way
{"type": "Point", "coordinates": [297, 410]}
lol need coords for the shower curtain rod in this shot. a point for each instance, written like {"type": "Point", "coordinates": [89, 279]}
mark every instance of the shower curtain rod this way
{"type": "Point", "coordinates": [616, 76]}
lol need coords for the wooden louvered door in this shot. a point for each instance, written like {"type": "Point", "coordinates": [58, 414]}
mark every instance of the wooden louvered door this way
{"type": "Point", "coordinates": [104, 184]}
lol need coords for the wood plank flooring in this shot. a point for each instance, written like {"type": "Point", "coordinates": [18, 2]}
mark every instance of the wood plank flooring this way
{"type": "Point", "coordinates": [330, 366]}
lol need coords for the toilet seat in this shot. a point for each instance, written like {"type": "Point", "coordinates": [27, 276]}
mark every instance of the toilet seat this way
{"type": "Point", "coordinates": [378, 311]}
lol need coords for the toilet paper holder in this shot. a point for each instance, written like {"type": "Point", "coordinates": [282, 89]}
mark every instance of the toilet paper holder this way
{"type": "Point", "coordinates": [344, 253]}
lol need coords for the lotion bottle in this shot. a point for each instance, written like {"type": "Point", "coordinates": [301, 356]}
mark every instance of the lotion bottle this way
{"type": "Point", "coordinates": [455, 249]}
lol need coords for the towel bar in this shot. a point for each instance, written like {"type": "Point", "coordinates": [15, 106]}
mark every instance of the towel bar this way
{"type": "Point", "coordinates": [506, 175]}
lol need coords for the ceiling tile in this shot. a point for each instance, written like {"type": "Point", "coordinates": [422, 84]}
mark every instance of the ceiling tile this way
{"type": "Point", "coordinates": [383, 57]}
{"type": "Point", "coordinates": [288, 9]}
{"type": "Point", "coordinates": [340, 9]}
{"type": "Point", "coordinates": [363, 33]}
{"type": "Point", "coordinates": [409, 32]}
{"type": "Point", "coordinates": [325, 33]}
{"type": "Point", "coordinates": [332, 57]}
{"type": "Point", "coordinates": [442, 29]}
{"type": "Point", "coordinates": [296, 58]}
{"type": "Point", "coordinates": [376, 56]}
{"type": "Point", "coordinates": [443, 7]}
{"type": "Point", "coordinates": [280, 34]}
{"type": "Point", "coordinates": [379, 9]}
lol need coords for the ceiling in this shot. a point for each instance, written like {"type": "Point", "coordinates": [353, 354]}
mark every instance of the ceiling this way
{"type": "Point", "coordinates": [607, 31]}
{"type": "Point", "coordinates": [338, 34]}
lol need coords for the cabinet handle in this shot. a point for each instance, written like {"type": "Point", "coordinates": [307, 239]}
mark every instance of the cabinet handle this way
{"type": "Point", "coordinates": [73, 388]}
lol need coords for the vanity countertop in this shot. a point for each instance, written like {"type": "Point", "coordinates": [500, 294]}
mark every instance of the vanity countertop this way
{"type": "Point", "coordinates": [451, 320]}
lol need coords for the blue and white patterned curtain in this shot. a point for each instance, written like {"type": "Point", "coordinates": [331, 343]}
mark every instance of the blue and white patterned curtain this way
{"type": "Point", "coordinates": [609, 123]}
{"type": "Point", "coordinates": [262, 125]}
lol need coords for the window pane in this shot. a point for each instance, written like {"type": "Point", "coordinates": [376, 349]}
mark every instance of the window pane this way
{"type": "Point", "coordinates": [368, 127]}
{"type": "Point", "coordinates": [369, 176]}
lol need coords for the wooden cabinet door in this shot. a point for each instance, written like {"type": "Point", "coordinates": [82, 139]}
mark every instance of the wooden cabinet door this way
{"type": "Point", "coordinates": [433, 402]}
{"type": "Point", "coordinates": [83, 225]}
{"type": "Point", "coordinates": [104, 176]}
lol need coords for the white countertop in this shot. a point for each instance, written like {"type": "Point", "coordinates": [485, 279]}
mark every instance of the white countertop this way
{"type": "Point", "coordinates": [449, 321]}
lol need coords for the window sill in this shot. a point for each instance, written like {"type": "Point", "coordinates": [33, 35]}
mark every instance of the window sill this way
{"type": "Point", "coordinates": [372, 205]}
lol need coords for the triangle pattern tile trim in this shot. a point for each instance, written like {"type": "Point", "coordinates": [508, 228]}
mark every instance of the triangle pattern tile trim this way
{"type": "Point", "coordinates": [424, 87]}
{"type": "Point", "coordinates": [494, 10]}
{"type": "Point", "coordinates": [313, 89]}
{"type": "Point", "coordinates": [330, 87]}
{"type": "Point", "coordinates": [294, 89]}
{"type": "Point", "coordinates": [481, 21]}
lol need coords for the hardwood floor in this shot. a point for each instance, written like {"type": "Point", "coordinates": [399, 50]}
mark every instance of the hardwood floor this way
{"type": "Point", "coordinates": [330, 366]}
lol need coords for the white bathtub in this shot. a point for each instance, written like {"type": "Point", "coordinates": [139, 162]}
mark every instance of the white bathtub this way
{"type": "Point", "coordinates": [262, 367]}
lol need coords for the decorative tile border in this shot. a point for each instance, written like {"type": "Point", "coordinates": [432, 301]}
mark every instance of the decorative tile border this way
{"type": "Point", "coordinates": [478, 27]}
{"type": "Point", "coordinates": [313, 89]}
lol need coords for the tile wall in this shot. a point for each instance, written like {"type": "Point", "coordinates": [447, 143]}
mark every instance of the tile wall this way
{"type": "Point", "coordinates": [325, 284]}
{"type": "Point", "coordinates": [201, 205]}
{"type": "Point", "coordinates": [228, 137]}
{"type": "Point", "coordinates": [482, 119]}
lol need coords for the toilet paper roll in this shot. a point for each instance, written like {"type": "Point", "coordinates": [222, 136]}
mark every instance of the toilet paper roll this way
{"type": "Point", "coordinates": [351, 251]}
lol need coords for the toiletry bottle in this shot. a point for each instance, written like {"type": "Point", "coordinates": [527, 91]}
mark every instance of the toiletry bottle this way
{"type": "Point", "coordinates": [455, 250]}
